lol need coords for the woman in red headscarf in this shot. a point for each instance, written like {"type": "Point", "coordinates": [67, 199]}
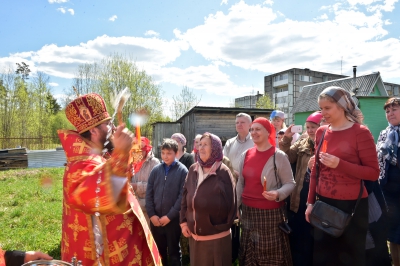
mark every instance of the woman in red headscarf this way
{"type": "Point", "coordinates": [141, 171]}
{"type": "Point", "coordinates": [261, 190]}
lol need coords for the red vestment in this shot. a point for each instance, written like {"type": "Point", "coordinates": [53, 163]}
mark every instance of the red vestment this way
{"type": "Point", "coordinates": [125, 238]}
{"type": "Point", "coordinates": [2, 260]}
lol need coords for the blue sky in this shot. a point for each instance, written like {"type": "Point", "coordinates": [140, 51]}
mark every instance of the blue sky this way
{"type": "Point", "coordinates": [220, 49]}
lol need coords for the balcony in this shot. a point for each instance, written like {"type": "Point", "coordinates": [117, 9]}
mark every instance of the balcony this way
{"type": "Point", "coordinates": [280, 83]}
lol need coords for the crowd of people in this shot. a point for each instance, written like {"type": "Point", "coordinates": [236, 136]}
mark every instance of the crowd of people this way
{"type": "Point", "coordinates": [250, 200]}
{"type": "Point", "coordinates": [268, 175]}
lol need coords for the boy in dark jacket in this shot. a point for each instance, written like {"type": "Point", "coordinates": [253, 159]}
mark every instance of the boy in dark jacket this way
{"type": "Point", "coordinates": [163, 202]}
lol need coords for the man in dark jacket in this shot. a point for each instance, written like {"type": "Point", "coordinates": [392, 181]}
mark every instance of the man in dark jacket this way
{"type": "Point", "coordinates": [163, 202]}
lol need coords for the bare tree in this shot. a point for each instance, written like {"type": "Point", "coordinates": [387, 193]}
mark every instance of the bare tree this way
{"type": "Point", "coordinates": [182, 103]}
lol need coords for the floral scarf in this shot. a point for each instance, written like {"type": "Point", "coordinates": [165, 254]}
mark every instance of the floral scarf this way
{"type": "Point", "coordinates": [346, 101]}
{"type": "Point", "coordinates": [216, 152]}
{"type": "Point", "coordinates": [387, 147]}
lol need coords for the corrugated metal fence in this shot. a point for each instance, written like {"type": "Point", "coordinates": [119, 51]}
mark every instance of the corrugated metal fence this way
{"type": "Point", "coordinates": [46, 158]}
{"type": "Point", "coordinates": [31, 143]}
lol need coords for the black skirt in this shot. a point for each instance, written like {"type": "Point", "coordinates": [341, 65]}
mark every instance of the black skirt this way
{"type": "Point", "coordinates": [301, 239]}
{"type": "Point", "coordinates": [349, 248]}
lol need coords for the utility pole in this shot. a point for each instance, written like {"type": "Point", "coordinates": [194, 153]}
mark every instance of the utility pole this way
{"type": "Point", "coordinates": [341, 60]}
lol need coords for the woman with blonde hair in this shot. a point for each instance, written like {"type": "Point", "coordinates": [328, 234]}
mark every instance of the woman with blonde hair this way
{"type": "Point", "coordinates": [345, 158]}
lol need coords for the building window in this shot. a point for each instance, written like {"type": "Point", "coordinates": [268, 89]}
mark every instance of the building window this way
{"type": "Point", "coordinates": [281, 77]}
{"type": "Point", "coordinates": [396, 91]}
{"type": "Point", "coordinates": [305, 78]}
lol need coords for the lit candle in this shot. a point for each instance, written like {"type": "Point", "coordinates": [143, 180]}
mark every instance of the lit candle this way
{"type": "Point", "coordinates": [324, 146]}
{"type": "Point", "coordinates": [265, 184]}
{"type": "Point", "coordinates": [138, 133]}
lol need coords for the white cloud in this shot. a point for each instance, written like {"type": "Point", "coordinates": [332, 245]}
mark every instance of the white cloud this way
{"type": "Point", "coordinates": [205, 77]}
{"type": "Point", "coordinates": [268, 2]}
{"type": "Point", "coordinates": [64, 10]}
{"type": "Point", "coordinates": [53, 84]}
{"type": "Point", "coordinates": [254, 37]}
{"type": "Point", "coordinates": [151, 33]}
{"type": "Point", "coordinates": [113, 18]}
{"type": "Point", "coordinates": [323, 17]}
{"type": "Point", "coordinates": [250, 37]}
{"type": "Point", "coordinates": [224, 2]}
{"type": "Point", "coordinates": [375, 5]}
{"type": "Point", "coordinates": [62, 61]}
{"type": "Point", "coordinates": [57, 1]}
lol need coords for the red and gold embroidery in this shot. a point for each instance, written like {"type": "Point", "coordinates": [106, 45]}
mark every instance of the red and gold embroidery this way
{"type": "Point", "coordinates": [65, 247]}
{"type": "Point", "coordinates": [80, 147]}
{"type": "Point", "coordinates": [76, 227]}
{"type": "Point", "coordinates": [137, 260]}
{"type": "Point", "coordinates": [127, 223]}
{"type": "Point", "coordinates": [118, 251]}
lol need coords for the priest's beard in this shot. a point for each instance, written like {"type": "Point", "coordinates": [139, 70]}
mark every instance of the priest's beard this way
{"type": "Point", "coordinates": [105, 139]}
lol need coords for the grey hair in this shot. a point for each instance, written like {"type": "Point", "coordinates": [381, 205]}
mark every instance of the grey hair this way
{"type": "Point", "coordinates": [244, 115]}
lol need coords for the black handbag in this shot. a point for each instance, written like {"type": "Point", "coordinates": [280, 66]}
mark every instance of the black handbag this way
{"type": "Point", "coordinates": [327, 218]}
{"type": "Point", "coordinates": [283, 226]}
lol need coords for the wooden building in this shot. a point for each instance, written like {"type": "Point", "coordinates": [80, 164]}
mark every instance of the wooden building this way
{"type": "Point", "coordinates": [162, 130]}
{"type": "Point", "coordinates": [200, 119]}
{"type": "Point", "coordinates": [217, 120]}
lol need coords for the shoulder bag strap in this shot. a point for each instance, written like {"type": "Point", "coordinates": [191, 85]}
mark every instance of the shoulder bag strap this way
{"type": "Point", "coordinates": [275, 169]}
{"type": "Point", "coordinates": [317, 155]}
{"type": "Point", "coordinates": [359, 197]}
{"type": "Point", "coordinates": [283, 207]}
{"type": "Point", "coordinates": [317, 173]}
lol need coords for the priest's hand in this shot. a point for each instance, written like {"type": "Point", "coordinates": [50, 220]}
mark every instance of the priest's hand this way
{"type": "Point", "coordinates": [36, 255]}
{"type": "Point", "coordinates": [155, 220]}
{"type": "Point", "coordinates": [164, 220]}
{"type": "Point", "coordinates": [122, 139]}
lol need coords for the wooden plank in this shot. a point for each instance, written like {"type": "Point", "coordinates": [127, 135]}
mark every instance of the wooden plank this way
{"type": "Point", "coordinates": [16, 150]}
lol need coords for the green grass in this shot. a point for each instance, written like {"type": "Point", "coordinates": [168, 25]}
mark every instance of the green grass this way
{"type": "Point", "coordinates": [31, 210]}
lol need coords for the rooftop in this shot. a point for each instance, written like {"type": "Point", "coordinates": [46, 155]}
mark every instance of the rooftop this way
{"type": "Point", "coordinates": [308, 98]}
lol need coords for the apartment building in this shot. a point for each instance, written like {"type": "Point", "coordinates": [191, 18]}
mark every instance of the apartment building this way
{"type": "Point", "coordinates": [248, 101]}
{"type": "Point", "coordinates": [285, 87]}
{"type": "Point", "coordinates": [392, 89]}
